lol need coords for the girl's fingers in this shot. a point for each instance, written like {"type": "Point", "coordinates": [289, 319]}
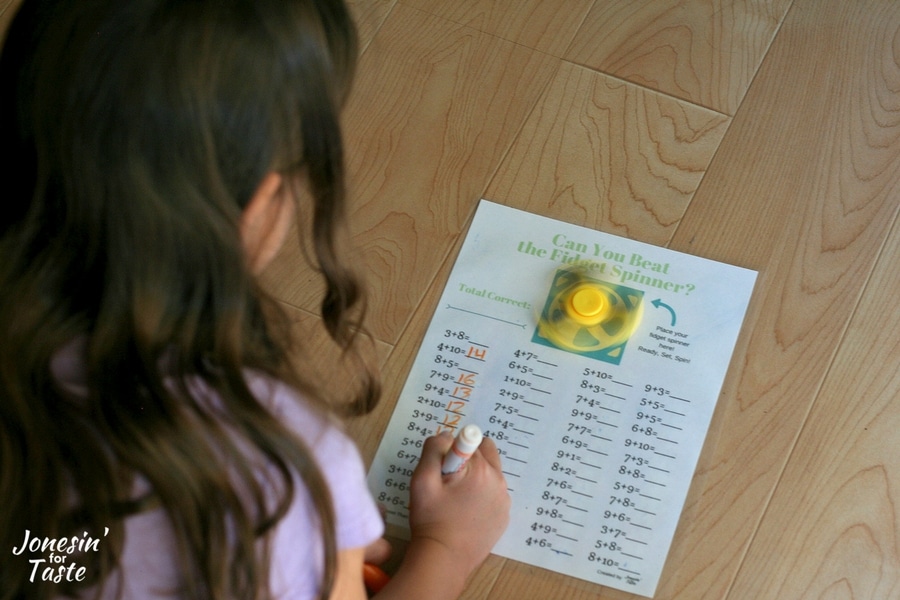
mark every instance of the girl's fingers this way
{"type": "Point", "coordinates": [433, 451]}
{"type": "Point", "coordinates": [489, 452]}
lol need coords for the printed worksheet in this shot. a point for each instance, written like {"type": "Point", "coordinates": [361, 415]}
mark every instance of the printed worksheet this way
{"type": "Point", "coordinates": [594, 362]}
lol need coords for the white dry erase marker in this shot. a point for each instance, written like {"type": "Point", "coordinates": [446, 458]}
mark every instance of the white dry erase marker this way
{"type": "Point", "coordinates": [465, 444]}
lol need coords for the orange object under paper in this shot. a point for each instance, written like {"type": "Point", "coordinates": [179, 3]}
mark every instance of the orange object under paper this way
{"type": "Point", "coordinates": [374, 578]}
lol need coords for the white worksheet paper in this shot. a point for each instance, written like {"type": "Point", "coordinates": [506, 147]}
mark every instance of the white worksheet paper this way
{"type": "Point", "coordinates": [598, 449]}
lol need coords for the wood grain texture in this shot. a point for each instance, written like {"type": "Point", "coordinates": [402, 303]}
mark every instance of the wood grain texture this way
{"type": "Point", "coordinates": [704, 51]}
{"type": "Point", "coordinates": [804, 188]}
{"type": "Point", "coordinates": [608, 155]}
{"type": "Point", "coordinates": [519, 580]}
{"type": "Point", "coordinates": [369, 15]}
{"type": "Point", "coordinates": [435, 107]}
{"type": "Point", "coordinates": [832, 529]}
{"type": "Point", "coordinates": [545, 25]}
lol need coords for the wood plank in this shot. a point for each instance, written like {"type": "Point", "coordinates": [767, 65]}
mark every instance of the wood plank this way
{"type": "Point", "coordinates": [703, 51]}
{"type": "Point", "coordinates": [833, 525]}
{"type": "Point", "coordinates": [608, 155]}
{"type": "Point", "coordinates": [435, 107]}
{"type": "Point", "coordinates": [545, 25]}
{"type": "Point", "coordinates": [369, 15]}
{"type": "Point", "coordinates": [518, 580]}
{"type": "Point", "coordinates": [803, 188]}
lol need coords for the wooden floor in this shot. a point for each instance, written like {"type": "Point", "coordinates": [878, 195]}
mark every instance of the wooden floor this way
{"type": "Point", "coordinates": [764, 134]}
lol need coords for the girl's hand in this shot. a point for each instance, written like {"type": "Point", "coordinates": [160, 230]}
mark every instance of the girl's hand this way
{"type": "Point", "coordinates": [466, 512]}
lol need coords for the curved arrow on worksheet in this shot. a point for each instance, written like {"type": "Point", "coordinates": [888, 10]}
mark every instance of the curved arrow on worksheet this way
{"type": "Point", "coordinates": [659, 303]}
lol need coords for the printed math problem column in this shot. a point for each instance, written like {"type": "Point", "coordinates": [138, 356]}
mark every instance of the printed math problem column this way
{"type": "Point", "coordinates": [594, 362]}
{"type": "Point", "coordinates": [442, 404]}
{"type": "Point", "coordinates": [515, 412]}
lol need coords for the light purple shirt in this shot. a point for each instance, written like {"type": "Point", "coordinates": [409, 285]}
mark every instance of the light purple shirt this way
{"type": "Point", "coordinates": [150, 569]}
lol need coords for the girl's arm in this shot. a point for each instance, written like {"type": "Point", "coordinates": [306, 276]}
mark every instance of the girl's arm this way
{"type": "Point", "coordinates": [455, 521]}
{"type": "Point", "coordinates": [347, 583]}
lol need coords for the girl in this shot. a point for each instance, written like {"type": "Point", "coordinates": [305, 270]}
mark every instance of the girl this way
{"type": "Point", "coordinates": [155, 441]}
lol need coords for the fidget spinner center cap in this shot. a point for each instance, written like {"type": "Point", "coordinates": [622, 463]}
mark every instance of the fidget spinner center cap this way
{"type": "Point", "coordinates": [587, 305]}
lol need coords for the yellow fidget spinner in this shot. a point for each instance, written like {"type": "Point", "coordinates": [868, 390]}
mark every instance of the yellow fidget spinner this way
{"type": "Point", "coordinates": [589, 316]}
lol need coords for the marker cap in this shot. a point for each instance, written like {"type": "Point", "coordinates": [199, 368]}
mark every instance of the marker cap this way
{"type": "Point", "coordinates": [469, 439]}
{"type": "Point", "coordinates": [466, 442]}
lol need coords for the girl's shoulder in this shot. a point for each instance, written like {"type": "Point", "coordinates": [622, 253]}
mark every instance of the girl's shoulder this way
{"type": "Point", "coordinates": [309, 419]}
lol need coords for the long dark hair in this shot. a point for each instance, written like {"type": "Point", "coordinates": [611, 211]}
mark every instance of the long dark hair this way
{"type": "Point", "coordinates": [139, 130]}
